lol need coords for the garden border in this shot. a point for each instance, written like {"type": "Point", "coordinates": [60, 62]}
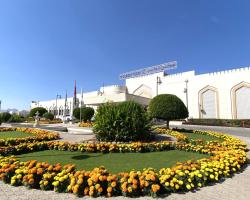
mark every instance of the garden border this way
{"type": "Point", "coordinates": [39, 135]}
{"type": "Point", "coordinates": [228, 158]}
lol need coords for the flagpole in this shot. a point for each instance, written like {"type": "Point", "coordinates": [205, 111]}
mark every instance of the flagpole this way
{"type": "Point", "coordinates": [81, 107]}
{"type": "Point", "coordinates": [65, 107]}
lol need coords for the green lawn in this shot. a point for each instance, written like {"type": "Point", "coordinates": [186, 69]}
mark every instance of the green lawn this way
{"type": "Point", "coordinates": [200, 136]}
{"type": "Point", "coordinates": [13, 134]}
{"type": "Point", "coordinates": [114, 162]}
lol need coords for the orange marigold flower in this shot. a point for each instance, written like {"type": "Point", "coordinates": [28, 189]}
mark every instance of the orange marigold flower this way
{"type": "Point", "coordinates": [155, 188]}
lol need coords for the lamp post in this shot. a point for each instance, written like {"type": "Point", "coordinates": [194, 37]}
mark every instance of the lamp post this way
{"type": "Point", "coordinates": [158, 82]}
{"type": "Point", "coordinates": [186, 92]}
{"type": "Point", "coordinates": [57, 96]}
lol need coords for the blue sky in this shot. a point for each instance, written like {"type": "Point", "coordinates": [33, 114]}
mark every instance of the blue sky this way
{"type": "Point", "coordinates": [46, 44]}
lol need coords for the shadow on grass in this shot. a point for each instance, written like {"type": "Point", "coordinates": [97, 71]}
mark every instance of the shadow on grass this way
{"type": "Point", "coordinates": [83, 156]}
{"type": "Point", "coordinates": [68, 156]}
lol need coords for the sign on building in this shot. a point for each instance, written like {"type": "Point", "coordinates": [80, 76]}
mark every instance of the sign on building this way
{"type": "Point", "coordinates": [149, 70]}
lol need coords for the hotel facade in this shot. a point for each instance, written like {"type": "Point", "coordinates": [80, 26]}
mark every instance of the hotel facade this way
{"type": "Point", "coordinates": [221, 95]}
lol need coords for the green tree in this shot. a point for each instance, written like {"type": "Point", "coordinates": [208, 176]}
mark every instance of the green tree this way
{"type": "Point", "coordinates": [48, 116]}
{"type": "Point", "coordinates": [76, 113]}
{"type": "Point", "coordinates": [86, 113]}
{"type": "Point", "coordinates": [167, 107]}
{"type": "Point", "coordinates": [5, 116]}
{"type": "Point", "coordinates": [41, 111]}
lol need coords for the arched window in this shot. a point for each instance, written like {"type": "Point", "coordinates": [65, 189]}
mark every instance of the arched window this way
{"type": "Point", "coordinates": [208, 102]}
{"type": "Point", "coordinates": [67, 110]}
{"type": "Point", "coordinates": [51, 110]}
{"type": "Point", "coordinates": [240, 95]}
{"type": "Point", "coordinates": [60, 110]}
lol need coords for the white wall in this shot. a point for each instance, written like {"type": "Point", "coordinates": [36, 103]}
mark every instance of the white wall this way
{"type": "Point", "coordinates": [222, 81]}
{"type": "Point", "coordinates": [174, 84]}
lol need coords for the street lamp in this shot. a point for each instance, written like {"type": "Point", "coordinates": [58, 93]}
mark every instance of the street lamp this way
{"type": "Point", "coordinates": [186, 92]}
{"type": "Point", "coordinates": [158, 82]}
{"type": "Point", "coordinates": [57, 96]}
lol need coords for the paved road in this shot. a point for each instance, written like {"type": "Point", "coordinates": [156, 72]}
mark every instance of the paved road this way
{"type": "Point", "coordinates": [243, 132]}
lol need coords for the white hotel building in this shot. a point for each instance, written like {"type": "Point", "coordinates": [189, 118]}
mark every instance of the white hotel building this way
{"type": "Point", "coordinates": [224, 94]}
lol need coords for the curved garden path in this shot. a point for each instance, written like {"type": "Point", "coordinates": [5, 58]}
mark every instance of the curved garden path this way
{"type": "Point", "coordinates": [236, 188]}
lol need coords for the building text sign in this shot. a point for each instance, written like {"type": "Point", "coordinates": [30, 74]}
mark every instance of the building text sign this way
{"type": "Point", "coordinates": [149, 70]}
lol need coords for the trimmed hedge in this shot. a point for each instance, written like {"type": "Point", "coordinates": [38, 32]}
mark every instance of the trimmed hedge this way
{"type": "Point", "coordinates": [220, 122]}
{"type": "Point", "coordinates": [167, 107]}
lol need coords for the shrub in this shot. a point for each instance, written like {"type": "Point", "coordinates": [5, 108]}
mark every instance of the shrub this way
{"type": "Point", "coordinates": [41, 111]}
{"type": "Point", "coordinates": [16, 118]}
{"type": "Point", "coordinates": [167, 107]}
{"type": "Point", "coordinates": [125, 122]}
{"type": "Point", "coordinates": [5, 116]}
{"type": "Point", "coordinates": [48, 116]}
{"type": "Point", "coordinates": [86, 113]}
{"type": "Point", "coordinates": [0, 120]}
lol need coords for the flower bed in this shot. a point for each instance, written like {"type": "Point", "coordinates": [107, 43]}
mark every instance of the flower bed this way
{"type": "Point", "coordinates": [227, 158]}
{"type": "Point", "coordinates": [37, 135]}
{"type": "Point", "coordinates": [86, 124]}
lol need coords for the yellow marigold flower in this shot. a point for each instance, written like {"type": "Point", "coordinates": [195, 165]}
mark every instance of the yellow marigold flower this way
{"type": "Point", "coordinates": [109, 189]}
{"type": "Point", "coordinates": [90, 182]}
{"type": "Point", "coordinates": [61, 179]}
{"type": "Point", "coordinates": [130, 189]}
{"type": "Point", "coordinates": [55, 183]}
{"type": "Point", "coordinates": [211, 176]}
{"type": "Point", "coordinates": [97, 186]}
{"type": "Point", "coordinates": [45, 183]}
{"type": "Point", "coordinates": [113, 184]}
{"type": "Point", "coordinates": [188, 187]}
{"type": "Point", "coordinates": [180, 182]}
{"type": "Point", "coordinates": [148, 177]}
{"type": "Point", "coordinates": [91, 188]}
